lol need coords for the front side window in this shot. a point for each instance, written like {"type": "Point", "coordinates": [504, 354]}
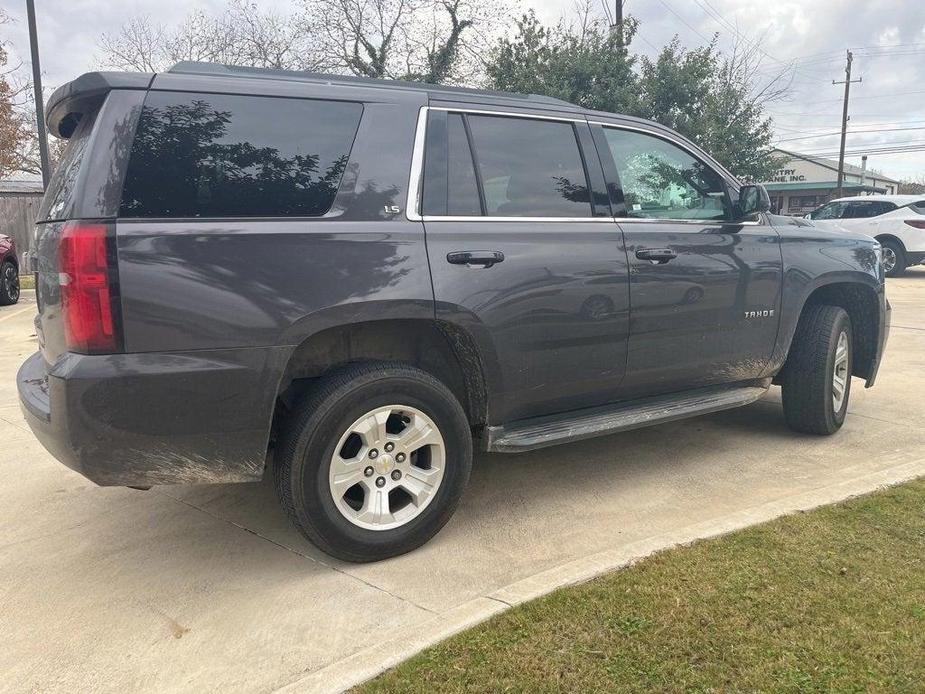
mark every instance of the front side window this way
{"type": "Point", "coordinates": [833, 210]}
{"type": "Point", "coordinates": [529, 168]}
{"type": "Point", "coordinates": [662, 181]}
{"type": "Point", "coordinates": [217, 155]}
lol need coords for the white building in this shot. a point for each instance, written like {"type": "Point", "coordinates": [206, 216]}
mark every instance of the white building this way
{"type": "Point", "coordinates": [805, 182]}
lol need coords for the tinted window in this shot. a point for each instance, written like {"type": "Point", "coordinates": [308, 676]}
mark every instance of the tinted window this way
{"type": "Point", "coordinates": [662, 181]}
{"type": "Point", "coordinates": [210, 155]}
{"type": "Point", "coordinates": [918, 207]}
{"type": "Point", "coordinates": [462, 189]}
{"type": "Point", "coordinates": [59, 196]}
{"type": "Point", "coordinates": [859, 210]}
{"type": "Point", "coordinates": [529, 168]}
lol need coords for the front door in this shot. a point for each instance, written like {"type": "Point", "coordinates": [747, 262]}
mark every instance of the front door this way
{"type": "Point", "coordinates": [705, 292]}
{"type": "Point", "coordinates": [526, 258]}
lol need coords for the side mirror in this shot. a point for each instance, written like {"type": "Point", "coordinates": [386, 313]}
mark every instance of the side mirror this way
{"type": "Point", "coordinates": [752, 200]}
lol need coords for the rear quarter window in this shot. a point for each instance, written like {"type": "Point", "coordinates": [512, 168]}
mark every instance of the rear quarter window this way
{"type": "Point", "coordinates": [213, 155]}
{"type": "Point", "coordinates": [59, 198]}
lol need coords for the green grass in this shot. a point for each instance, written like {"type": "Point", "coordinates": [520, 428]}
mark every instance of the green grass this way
{"type": "Point", "coordinates": [27, 281]}
{"type": "Point", "coordinates": [829, 600]}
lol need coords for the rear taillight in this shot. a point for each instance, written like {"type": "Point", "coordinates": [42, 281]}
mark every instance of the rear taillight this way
{"type": "Point", "coordinates": [917, 223]}
{"type": "Point", "coordinates": [86, 276]}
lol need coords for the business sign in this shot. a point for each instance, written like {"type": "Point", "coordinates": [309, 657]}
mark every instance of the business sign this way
{"type": "Point", "coordinates": [787, 176]}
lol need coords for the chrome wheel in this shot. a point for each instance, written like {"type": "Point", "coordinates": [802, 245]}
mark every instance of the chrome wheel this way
{"type": "Point", "coordinates": [387, 467]}
{"type": "Point", "coordinates": [10, 281]}
{"type": "Point", "coordinates": [840, 373]}
{"type": "Point", "coordinates": [889, 259]}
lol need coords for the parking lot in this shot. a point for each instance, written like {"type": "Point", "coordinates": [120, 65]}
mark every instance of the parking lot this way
{"type": "Point", "coordinates": [209, 589]}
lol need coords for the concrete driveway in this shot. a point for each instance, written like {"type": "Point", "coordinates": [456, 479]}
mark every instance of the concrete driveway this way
{"type": "Point", "coordinates": [209, 589]}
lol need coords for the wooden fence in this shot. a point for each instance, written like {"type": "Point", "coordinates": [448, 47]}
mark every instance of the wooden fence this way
{"type": "Point", "coordinates": [17, 217]}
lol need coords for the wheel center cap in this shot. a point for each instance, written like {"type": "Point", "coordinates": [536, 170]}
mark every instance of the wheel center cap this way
{"type": "Point", "coordinates": [384, 464]}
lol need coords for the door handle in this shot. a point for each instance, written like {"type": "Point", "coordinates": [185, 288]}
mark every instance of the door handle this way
{"type": "Point", "coordinates": [659, 256]}
{"type": "Point", "coordinates": [484, 258]}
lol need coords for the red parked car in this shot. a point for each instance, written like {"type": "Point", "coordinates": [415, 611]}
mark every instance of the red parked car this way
{"type": "Point", "coordinates": [9, 272]}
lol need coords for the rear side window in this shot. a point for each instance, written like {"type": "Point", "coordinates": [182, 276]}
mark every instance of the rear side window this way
{"type": "Point", "coordinates": [860, 210]}
{"type": "Point", "coordinates": [462, 186]}
{"type": "Point", "coordinates": [59, 197]}
{"type": "Point", "coordinates": [212, 155]}
{"type": "Point", "coordinates": [918, 207]}
{"type": "Point", "coordinates": [529, 168]}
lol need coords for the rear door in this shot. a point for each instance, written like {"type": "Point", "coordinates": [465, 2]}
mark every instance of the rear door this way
{"type": "Point", "coordinates": [525, 256]}
{"type": "Point", "coordinates": [705, 291]}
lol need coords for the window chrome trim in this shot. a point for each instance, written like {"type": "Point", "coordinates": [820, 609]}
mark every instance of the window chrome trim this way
{"type": "Point", "coordinates": [508, 114]}
{"type": "Point", "coordinates": [461, 218]}
{"type": "Point", "coordinates": [698, 222]}
{"type": "Point", "coordinates": [413, 202]}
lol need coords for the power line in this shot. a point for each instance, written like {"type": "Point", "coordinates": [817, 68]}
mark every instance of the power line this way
{"type": "Point", "coordinates": [913, 146]}
{"type": "Point", "coordinates": [684, 21]}
{"type": "Point", "coordinates": [853, 132]}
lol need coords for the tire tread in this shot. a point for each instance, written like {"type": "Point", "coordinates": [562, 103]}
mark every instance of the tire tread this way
{"type": "Point", "coordinates": [311, 410]}
{"type": "Point", "coordinates": [804, 384]}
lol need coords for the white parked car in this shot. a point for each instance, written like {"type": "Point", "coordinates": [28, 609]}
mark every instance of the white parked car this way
{"type": "Point", "coordinates": [896, 221]}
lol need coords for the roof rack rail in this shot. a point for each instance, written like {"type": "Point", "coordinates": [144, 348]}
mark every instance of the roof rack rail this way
{"type": "Point", "coordinates": [198, 68]}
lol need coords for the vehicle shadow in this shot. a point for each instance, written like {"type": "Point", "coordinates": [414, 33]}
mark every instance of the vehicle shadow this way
{"type": "Point", "coordinates": [577, 472]}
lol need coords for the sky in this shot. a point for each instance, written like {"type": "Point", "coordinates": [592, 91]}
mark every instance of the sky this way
{"type": "Point", "coordinates": [887, 38]}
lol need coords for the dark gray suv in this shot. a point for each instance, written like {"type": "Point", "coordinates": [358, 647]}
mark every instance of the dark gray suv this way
{"type": "Point", "coordinates": [349, 283]}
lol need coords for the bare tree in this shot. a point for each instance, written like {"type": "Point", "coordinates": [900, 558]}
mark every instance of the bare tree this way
{"type": "Point", "coordinates": [243, 34]}
{"type": "Point", "coordinates": [747, 64]}
{"type": "Point", "coordinates": [18, 141]}
{"type": "Point", "coordinates": [425, 40]}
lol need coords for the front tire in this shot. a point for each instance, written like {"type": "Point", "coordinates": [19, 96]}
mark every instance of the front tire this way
{"type": "Point", "coordinates": [9, 284]}
{"type": "Point", "coordinates": [816, 380]}
{"type": "Point", "coordinates": [894, 258]}
{"type": "Point", "coordinates": [373, 461]}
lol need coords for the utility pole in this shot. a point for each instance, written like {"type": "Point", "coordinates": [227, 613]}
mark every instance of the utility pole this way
{"type": "Point", "coordinates": [844, 126]}
{"type": "Point", "coordinates": [37, 87]}
{"type": "Point", "coordinates": [616, 20]}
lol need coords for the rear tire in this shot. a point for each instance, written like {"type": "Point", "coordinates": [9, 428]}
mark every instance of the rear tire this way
{"type": "Point", "coordinates": [894, 258]}
{"type": "Point", "coordinates": [351, 470]}
{"type": "Point", "coordinates": [816, 380]}
{"type": "Point", "coordinates": [9, 284]}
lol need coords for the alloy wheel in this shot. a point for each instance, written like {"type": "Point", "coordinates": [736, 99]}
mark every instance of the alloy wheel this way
{"type": "Point", "coordinates": [840, 373]}
{"type": "Point", "coordinates": [889, 259]}
{"type": "Point", "coordinates": [387, 467]}
{"type": "Point", "coordinates": [11, 283]}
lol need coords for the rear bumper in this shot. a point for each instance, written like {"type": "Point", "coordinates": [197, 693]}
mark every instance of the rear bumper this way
{"type": "Point", "coordinates": [147, 419]}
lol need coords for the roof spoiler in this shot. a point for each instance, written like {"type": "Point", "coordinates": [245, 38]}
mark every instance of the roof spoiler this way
{"type": "Point", "coordinates": [70, 101]}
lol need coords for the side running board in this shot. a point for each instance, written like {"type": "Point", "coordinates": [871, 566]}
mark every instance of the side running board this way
{"type": "Point", "coordinates": [539, 432]}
